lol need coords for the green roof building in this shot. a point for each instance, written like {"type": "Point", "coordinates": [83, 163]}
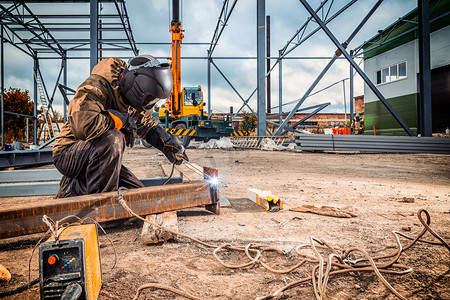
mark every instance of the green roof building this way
{"type": "Point", "coordinates": [391, 61]}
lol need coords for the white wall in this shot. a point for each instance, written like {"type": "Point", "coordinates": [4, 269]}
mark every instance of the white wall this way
{"type": "Point", "coordinates": [439, 48]}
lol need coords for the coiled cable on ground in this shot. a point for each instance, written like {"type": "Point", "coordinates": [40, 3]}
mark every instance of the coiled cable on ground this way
{"type": "Point", "coordinates": [337, 262]}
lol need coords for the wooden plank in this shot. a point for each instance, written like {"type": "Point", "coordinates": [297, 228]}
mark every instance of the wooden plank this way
{"type": "Point", "coordinates": [153, 235]}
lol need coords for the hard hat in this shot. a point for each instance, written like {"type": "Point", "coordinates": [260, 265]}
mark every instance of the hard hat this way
{"type": "Point", "coordinates": [145, 81]}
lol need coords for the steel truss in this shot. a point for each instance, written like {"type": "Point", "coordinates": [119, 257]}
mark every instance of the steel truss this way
{"type": "Point", "coordinates": [301, 36]}
{"type": "Point", "coordinates": [63, 36]}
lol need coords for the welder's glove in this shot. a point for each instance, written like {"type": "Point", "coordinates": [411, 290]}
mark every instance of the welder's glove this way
{"type": "Point", "coordinates": [129, 136]}
{"type": "Point", "coordinates": [163, 141]}
{"type": "Point", "coordinates": [125, 123]}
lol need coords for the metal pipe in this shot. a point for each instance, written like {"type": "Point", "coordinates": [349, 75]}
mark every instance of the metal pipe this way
{"type": "Point", "coordinates": [261, 70]}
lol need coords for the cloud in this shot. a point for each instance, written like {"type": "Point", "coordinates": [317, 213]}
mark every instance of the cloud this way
{"type": "Point", "coordinates": [150, 21]}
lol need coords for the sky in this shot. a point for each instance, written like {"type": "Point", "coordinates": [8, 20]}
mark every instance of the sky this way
{"type": "Point", "coordinates": [150, 22]}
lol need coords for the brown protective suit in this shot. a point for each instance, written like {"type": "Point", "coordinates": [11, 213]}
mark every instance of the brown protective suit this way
{"type": "Point", "coordinates": [89, 150]}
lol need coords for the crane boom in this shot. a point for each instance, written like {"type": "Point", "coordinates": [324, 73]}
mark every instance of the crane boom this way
{"type": "Point", "coordinates": [177, 37]}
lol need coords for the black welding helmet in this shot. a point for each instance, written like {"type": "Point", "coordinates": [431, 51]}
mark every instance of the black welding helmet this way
{"type": "Point", "coordinates": [145, 81]}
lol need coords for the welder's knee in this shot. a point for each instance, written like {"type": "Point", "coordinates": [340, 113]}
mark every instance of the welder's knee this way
{"type": "Point", "coordinates": [111, 143]}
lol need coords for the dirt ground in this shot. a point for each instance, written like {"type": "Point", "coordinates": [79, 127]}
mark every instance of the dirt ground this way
{"type": "Point", "coordinates": [384, 191]}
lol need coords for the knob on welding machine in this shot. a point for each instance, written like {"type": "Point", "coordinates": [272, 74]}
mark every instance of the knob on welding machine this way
{"type": "Point", "coordinates": [71, 265]}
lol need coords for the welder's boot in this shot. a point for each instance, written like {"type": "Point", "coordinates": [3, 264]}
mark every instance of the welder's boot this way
{"type": "Point", "coordinates": [65, 187]}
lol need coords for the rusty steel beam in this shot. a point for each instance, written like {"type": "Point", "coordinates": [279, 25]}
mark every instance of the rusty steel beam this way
{"type": "Point", "coordinates": [27, 218]}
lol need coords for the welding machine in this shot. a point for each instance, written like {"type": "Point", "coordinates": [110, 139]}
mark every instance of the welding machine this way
{"type": "Point", "coordinates": [70, 263]}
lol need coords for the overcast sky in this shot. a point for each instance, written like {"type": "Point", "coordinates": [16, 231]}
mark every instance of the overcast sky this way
{"type": "Point", "coordinates": [150, 21]}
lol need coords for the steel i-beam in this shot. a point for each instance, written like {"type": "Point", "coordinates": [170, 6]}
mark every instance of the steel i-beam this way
{"type": "Point", "coordinates": [27, 218]}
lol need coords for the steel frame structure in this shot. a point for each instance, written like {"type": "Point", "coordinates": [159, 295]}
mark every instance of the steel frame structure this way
{"type": "Point", "coordinates": [299, 37]}
{"type": "Point", "coordinates": [36, 36]}
{"type": "Point", "coordinates": [41, 43]}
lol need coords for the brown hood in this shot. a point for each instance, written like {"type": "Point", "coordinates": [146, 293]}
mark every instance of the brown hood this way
{"type": "Point", "coordinates": [108, 68]}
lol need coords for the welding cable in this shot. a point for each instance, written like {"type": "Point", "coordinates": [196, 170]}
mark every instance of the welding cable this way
{"type": "Point", "coordinates": [163, 287]}
{"type": "Point", "coordinates": [170, 176]}
{"type": "Point", "coordinates": [346, 265]}
{"type": "Point", "coordinates": [356, 266]}
{"type": "Point", "coordinates": [19, 289]}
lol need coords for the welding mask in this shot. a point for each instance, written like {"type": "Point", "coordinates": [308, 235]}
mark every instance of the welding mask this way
{"type": "Point", "coordinates": [145, 81]}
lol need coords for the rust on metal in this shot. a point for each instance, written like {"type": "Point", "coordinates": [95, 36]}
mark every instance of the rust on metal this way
{"type": "Point", "coordinates": [27, 219]}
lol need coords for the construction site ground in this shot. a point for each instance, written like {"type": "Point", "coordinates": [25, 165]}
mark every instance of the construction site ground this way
{"type": "Point", "coordinates": [384, 191]}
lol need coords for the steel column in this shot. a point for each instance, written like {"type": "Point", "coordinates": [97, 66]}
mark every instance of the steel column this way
{"type": "Point", "coordinates": [280, 87]}
{"type": "Point", "coordinates": [351, 95]}
{"type": "Point", "coordinates": [345, 107]}
{"type": "Point", "coordinates": [425, 68]}
{"type": "Point", "coordinates": [27, 218]}
{"type": "Point", "coordinates": [209, 86]}
{"type": "Point", "coordinates": [261, 70]}
{"type": "Point", "coordinates": [268, 63]}
{"type": "Point", "coordinates": [93, 33]}
{"type": "Point", "coordinates": [342, 50]}
{"type": "Point", "coordinates": [35, 90]}
{"type": "Point", "coordinates": [2, 86]}
{"type": "Point", "coordinates": [64, 62]}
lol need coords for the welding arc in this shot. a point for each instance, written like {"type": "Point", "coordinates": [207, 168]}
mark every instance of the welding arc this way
{"type": "Point", "coordinates": [336, 263]}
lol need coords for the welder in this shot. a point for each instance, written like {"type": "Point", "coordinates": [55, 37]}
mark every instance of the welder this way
{"type": "Point", "coordinates": [112, 105]}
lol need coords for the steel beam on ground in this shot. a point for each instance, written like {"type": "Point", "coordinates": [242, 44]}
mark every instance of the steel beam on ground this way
{"type": "Point", "coordinates": [30, 175]}
{"type": "Point", "coordinates": [357, 68]}
{"type": "Point", "coordinates": [25, 158]}
{"type": "Point", "coordinates": [27, 218]}
{"type": "Point", "coordinates": [367, 143]}
{"type": "Point", "coordinates": [49, 188]}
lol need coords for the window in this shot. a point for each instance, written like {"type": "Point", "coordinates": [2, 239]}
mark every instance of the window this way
{"type": "Point", "coordinates": [392, 73]}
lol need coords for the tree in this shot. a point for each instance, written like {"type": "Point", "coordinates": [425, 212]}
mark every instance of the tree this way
{"type": "Point", "coordinates": [17, 101]}
{"type": "Point", "coordinates": [249, 121]}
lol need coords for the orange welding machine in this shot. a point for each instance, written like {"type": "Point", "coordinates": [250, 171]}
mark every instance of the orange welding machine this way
{"type": "Point", "coordinates": [71, 265]}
